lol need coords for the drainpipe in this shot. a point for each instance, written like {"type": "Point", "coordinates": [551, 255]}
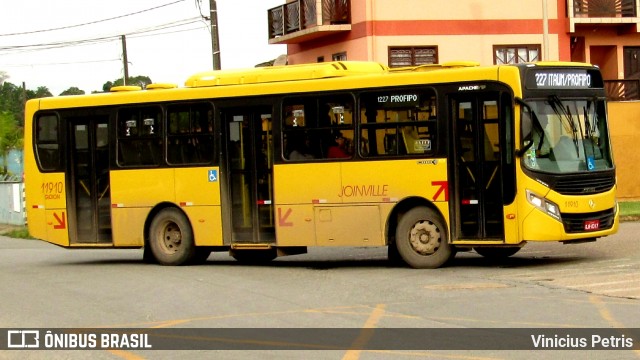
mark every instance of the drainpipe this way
{"type": "Point", "coordinates": [545, 30]}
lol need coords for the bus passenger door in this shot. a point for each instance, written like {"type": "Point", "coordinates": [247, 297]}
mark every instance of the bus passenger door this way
{"type": "Point", "coordinates": [477, 171]}
{"type": "Point", "coordinates": [248, 166]}
{"type": "Point", "coordinates": [90, 199]}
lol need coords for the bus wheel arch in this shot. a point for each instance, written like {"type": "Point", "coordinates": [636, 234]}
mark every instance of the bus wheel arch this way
{"type": "Point", "coordinates": [420, 235]}
{"type": "Point", "coordinates": [169, 237]}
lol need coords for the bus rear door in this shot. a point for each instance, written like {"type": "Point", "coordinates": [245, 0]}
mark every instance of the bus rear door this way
{"type": "Point", "coordinates": [90, 200]}
{"type": "Point", "coordinates": [248, 184]}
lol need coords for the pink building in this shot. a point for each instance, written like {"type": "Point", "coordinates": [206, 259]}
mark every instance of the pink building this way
{"type": "Point", "coordinates": [414, 32]}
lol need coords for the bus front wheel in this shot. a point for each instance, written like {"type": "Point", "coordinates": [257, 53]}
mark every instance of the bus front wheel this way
{"type": "Point", "coordinates": [422, 239]}
{"type": "Point", "coordinates": [171, 238]}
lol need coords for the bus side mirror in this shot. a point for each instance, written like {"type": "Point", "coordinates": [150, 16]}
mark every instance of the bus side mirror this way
{"type": "Point", "coordinates": [526, 126]}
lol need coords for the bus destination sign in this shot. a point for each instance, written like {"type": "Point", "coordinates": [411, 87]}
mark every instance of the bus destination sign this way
{"type": "Point", "coordinates": [562, 79]}
{"type": "Point", "coordinates": [398, 100]}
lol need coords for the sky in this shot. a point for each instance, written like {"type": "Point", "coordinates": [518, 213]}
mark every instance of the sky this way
{"type": "Point", "coordinates": [62, 44]}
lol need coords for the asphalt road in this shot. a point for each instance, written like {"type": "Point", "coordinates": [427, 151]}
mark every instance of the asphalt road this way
{"type": "Point", "coordinates": [593, 285]}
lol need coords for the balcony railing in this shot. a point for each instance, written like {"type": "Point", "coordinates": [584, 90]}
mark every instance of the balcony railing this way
{"type": "Point", "coordinates": [306, 14]}
{"type": "Point", "coordinates": [622, 90]}
{"type": "Point", "coordinates": [604, 8]}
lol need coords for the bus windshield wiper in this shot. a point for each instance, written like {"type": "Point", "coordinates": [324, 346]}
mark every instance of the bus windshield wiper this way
{"type": "Point", "coordinates": [565, 113]}
{"type": "Point", "coordinates": [588, 127]}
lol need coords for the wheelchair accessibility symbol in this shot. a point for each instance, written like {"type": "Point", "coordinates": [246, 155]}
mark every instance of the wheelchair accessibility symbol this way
{"type": "Point", "coordinates": [213, 175]}
{"type": "Point", "coordinates": [591, 163]}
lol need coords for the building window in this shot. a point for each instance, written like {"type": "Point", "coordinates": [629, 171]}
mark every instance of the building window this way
{"type": "Point", "coordinates": [412, 56]}
{"type": "Point", "coordinates": [320, 59]}
{"type": "Point", "coordinates": [339, 56]}
{"type": "Point", "coordinates": [514, 54]}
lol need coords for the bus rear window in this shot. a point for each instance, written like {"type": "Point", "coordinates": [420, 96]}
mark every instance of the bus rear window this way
{"type": "Point", "coordinates": [48, 143]}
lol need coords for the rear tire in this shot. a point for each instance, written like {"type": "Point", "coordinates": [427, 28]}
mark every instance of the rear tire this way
{"type": "Point", "coordinates": [171, 238]}
{"type": "Point", "coordinates": [422, 239]}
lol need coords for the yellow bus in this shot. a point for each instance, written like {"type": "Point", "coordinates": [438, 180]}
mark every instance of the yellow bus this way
{"type": "Point", "coordinates": [266, 162]}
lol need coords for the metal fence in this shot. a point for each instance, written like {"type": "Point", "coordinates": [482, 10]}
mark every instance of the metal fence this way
{"type": "Point", "coordinates": [12, 202]}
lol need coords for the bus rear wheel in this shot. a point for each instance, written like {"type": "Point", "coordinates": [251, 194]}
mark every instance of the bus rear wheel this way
{"type": "Point", "coordinates": [497, 252]}
{"type": "Point", "coordinates": [422, 239]}
{"type": "Point", "coordinates": [171, 238]}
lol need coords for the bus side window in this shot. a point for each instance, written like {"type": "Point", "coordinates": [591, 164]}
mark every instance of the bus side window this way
{"type": "Point", "coordinates": [312, 125]}
{"type": "Point", "coordinates": [398, 123]}
{"type": "Point", "coordinates": [139, 136]}
{"type": "Point", "coordinates": [190, 134]}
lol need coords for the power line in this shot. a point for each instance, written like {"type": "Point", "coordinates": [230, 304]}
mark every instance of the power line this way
{"type": "Point", "coordinates": [108, 38]}
{"type": "Point", "coordinates": [62, 63]}
{"type": "Point", "coordinates": [92, 22]}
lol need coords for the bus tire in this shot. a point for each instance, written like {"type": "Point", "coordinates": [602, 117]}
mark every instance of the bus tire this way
{"type": "Point", "coordinates": [171, 238]}
{"type": "Point", "coordinates": [422, 239]}
{"type": "Point", "coordinates": [496, 252]}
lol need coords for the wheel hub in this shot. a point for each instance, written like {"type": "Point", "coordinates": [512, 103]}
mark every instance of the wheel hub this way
{"type": "Point", "coordinates": [425, 238]}
{"type": "Point", "coordinates": [172, 237]}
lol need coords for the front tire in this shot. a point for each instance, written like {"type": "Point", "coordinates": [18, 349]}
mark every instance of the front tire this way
{"type": "Point", "coordinates": [171, 238]}
{"type": "Point", "coordinates": [422, 239]}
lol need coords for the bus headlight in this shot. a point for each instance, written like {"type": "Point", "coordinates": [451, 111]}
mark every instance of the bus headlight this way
{"type": "Point", "coordinates": [546, 206]}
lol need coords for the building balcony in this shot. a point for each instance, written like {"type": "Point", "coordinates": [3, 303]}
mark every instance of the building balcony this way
{"type": "Point", "coordinates": [622, 89]}
{"type": "Point", "coordinates": [623, 13]}
{"type": "Point", "coordinates": [303, 20]}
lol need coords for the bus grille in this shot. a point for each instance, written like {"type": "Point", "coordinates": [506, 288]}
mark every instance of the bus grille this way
{"type": "Point", "coordinates": [585, 184]}
{"type": "Point", "coordinates": [575, 223]}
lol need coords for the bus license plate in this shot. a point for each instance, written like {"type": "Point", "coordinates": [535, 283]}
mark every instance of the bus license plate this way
{"type": "Point", "coordinates": [591, 225]}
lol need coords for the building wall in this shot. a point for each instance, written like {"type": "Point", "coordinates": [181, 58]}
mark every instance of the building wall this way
{"type": "Point", "coordinates": [604, 47]}
{"type": "Point", "coordinates": [458, 9]}
{"type": "Point", "coordinates": [624, 127]}
{"type": "Point", "coordinates": [462, 30]}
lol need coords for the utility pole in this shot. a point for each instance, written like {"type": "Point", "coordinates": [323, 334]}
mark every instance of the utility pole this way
{"type": "Point", "coordinates": [215, 41]}
{"type": "Point", "coordinates": [125, 63]}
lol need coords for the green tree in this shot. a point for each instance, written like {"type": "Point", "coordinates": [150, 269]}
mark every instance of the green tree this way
{"type": "Point", "coordinates": [72, 91]}
{"type": "Point", "coordinates": [10, 137]}
{"type": "Point", "coordinates": [139, 80]}
{"type": "Point", "coordinates": [41, 92]}
{"type": "Point", "coordinates": [12, 100]}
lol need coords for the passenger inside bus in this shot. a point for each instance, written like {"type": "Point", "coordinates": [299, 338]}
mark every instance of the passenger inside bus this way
{"type": "Point", "coordinates": [300, 148]}
{"type": "Point", "coordinates": [340, 149]}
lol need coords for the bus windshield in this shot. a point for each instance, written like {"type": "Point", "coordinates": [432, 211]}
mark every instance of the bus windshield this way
{"type": "Point", "coordinates": [565, 135]}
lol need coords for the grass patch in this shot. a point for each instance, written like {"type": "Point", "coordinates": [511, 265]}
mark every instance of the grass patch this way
{"type": "Point", "coordinates": [630, 208]}
{"type": "Point", "coordinates": [18, 233]}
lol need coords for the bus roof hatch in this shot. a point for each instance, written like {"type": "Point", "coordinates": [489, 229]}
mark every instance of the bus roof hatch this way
{"type": "Point", "coordinates": [284, 73]}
